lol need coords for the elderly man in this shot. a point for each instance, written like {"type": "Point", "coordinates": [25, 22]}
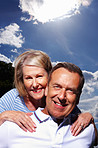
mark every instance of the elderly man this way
{"type": "Point", "coordinates": [53, 122]}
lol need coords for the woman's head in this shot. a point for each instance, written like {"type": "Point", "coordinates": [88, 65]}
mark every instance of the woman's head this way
{"type": "Point", "coordinates": [30, 58]}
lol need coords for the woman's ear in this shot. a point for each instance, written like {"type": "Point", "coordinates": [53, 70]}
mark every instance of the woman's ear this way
{"type": "Point", "coordinates": [46, 90]}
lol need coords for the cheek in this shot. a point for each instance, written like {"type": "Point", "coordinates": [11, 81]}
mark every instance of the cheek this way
{"type": "Point", "coordinates": [72, 99]}
{"type": "Point", "coordinates": [53, 94]}
{"type": "Point", "coordinates": [49, 103]}
{"type": "Point", "coordinates": [44, 81]}
{"type": "Point", "coordinates": [27, 84]}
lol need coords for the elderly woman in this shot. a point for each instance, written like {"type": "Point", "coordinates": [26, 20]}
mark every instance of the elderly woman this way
{"type": "Point", "coordinates": [31, 74]}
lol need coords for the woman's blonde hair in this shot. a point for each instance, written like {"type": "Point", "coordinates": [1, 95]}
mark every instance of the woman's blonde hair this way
{"type": "Point", "coordinates": [30, 57]}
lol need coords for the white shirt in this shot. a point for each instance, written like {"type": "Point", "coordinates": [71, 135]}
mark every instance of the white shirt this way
{"type": "Point", "coordinates": [48, 134]}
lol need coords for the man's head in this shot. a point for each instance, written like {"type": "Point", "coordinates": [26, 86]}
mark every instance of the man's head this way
{"type": "Point", "coordinates": [63, 91]}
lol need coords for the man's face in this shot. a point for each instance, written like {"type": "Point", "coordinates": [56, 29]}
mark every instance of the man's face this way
{"type": "Point", "coordinates": [61, 93]}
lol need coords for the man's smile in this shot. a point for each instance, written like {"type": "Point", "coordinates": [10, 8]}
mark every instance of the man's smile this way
{"type": "Point", "coordinates": [60, 104]}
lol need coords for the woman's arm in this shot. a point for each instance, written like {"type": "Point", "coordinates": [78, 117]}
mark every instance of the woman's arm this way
{"type": "Point", "coordinates": [20, 118]}
{"type": "Point", "coordinates": [83, 120]}
{"type": "Point", "coordinates": [8, 103]}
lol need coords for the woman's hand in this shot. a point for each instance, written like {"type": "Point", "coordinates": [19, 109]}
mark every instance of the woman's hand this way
{"type": "Point", "coordinates": [83, 120]}
{"type": "Point", "coordinates": [20, 118]}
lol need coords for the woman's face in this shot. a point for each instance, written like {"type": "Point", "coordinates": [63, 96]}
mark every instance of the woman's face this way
{"type": "Point", "coordinates": [35, 81]}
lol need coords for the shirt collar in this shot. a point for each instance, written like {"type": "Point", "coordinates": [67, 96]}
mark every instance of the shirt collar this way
{"type": "Point", "coordinates": [41, 117]}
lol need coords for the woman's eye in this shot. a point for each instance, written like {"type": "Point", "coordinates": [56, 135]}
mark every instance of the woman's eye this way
{"type": "Point", "coordinates": [28, 78]}
{"type": "Point", "coordinates": [39, 76]}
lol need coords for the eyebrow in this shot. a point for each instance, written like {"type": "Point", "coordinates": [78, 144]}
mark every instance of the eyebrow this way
{"type": "Point", "coordinates": [73, 89]}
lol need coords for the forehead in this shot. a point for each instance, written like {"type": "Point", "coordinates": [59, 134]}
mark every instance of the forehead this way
{"type": "Point", "coordinates": [30, 69]}
{"type": "Point", "coordinates": [64, 77]}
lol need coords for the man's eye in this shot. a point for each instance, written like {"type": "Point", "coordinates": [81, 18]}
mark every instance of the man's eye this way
{"type": "Point", "coordinates": [70, 91]}
{"type": "Point", "coordinates": [56, 87]}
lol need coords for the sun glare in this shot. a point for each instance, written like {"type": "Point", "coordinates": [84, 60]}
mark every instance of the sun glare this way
{"type": "Point", "coordinates": [49, 10]}
{"type": "Point", "coordinates": [53, 9]}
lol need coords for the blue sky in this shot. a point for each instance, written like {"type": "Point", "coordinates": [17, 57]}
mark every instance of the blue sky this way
{"type": "Point", "coordinates": [65, 32]}
{"type": "Point", "coordinates": [73, 39]}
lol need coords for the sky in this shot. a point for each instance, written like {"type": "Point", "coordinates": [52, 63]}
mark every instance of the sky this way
{"type": "Point", "coordinates": [67, 30]}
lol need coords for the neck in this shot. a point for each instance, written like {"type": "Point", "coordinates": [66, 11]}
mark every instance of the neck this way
{"type": "Point", "coordinates": [33, 104]}
{"type": "Point", "coordinates": [58, 121]}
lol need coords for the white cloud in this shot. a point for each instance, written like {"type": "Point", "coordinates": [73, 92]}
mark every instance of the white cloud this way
{"type": "Point", "coordinates": [54, 63]}
{"type": "Point", "coordinates": [91, 82]}
{"type": "Point", "coordinates": [89, 99]}
{"type": "Point", "coordinates": [26, 19]}
{"type": "Point", "coordinates": [14, 50]}
{"type": "Point", "coordinates": [90, 105]}
{"type": "Point", "coordinates": [86, 2]}
{"type": "Point", "coordinates": [48, 10]}
{"type": "Point", "coordinates": [5, 59]}
{"type": "Point", "coordinates": [95, 98]}
{"type": "Point", "coordinates": [11, 35]}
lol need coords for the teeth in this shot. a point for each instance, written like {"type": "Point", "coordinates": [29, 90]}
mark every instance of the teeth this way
{"type": "Point", "coordinates": [58, 104]}
{"type": "Point", "coordinates": [37, 90]}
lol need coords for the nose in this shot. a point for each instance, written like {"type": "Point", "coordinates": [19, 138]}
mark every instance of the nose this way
{"type": "Point", "coordinates": [62, 94]}
{"type": "Point", "coordinates": [35, 83]}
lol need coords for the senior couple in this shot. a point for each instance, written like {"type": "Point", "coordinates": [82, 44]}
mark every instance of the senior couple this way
{"type": "Point", "coordinates": [44, 105]}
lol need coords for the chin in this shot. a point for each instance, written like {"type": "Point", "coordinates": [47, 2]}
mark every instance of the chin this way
{"type": "Point", "coordinates": [37, 97]}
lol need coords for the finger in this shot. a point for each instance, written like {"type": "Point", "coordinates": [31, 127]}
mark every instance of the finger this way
{"type": "Point", "coordinates": [23, 120]}
{"type": "Point", "coordinates": [76, 132]}
{"type": "Point", "coordinates": [33, 125]}
{"type": "Point", "coordinates": [26, 127]}
{"type": "Point", "coordinates": [28, 123]}
{"type": "Point", "coordinates": [29, 114]}
{"type": "Point", "coordinates": [76, 129]}
{"type": "Point", "coordinates": [22, 126]}
{"type": "Point", "coordinates": [74, 125]}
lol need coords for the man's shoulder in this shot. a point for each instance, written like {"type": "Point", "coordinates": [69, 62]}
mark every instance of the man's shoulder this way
{"type": "Point", "coordinates": [89, 130]}
{"type": "Point", "coordinates": [39, 116]}
{"type": "Point", "coordinates": [88, 133]}
{"type": "Point", "coordinates": [9, 125]}
{"type": "Point", "coordinates": [76, 110]}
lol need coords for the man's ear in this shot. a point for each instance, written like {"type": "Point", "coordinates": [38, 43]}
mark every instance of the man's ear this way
{"type": "Point", "coordinates": [46, 90]}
